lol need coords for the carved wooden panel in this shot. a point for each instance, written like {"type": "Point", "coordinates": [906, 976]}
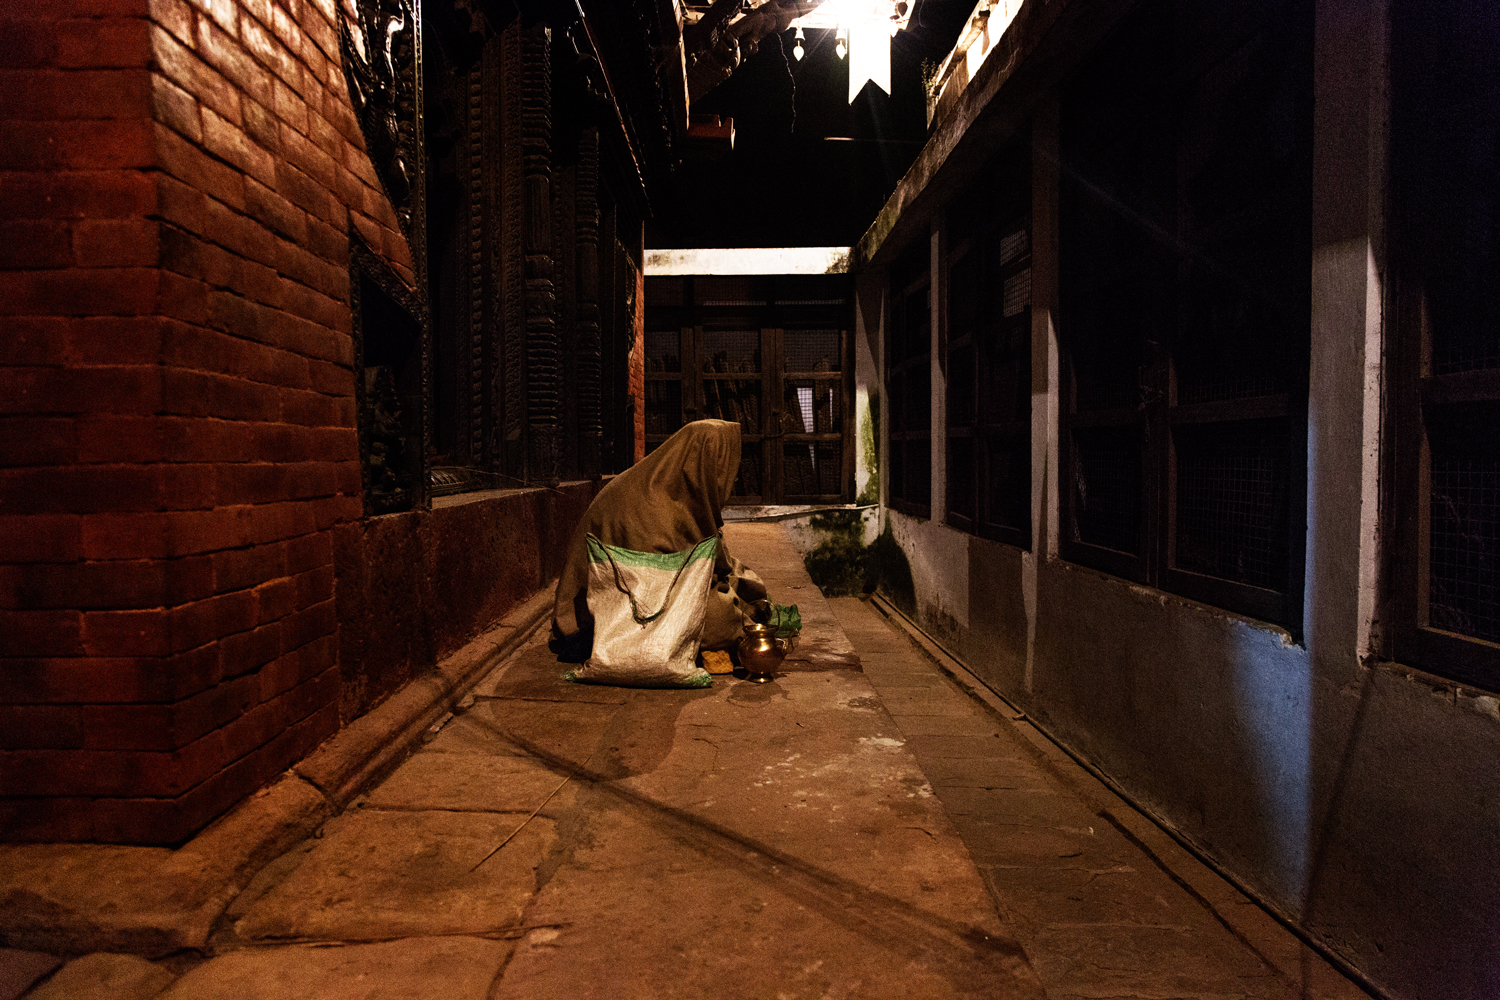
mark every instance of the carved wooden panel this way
{"type": "Point", "coordinates": [510, 345]}
{"type": "Point", "coordinates": [474, 355]}
{"type": "Point", "coordinates": [586, 344]}
{"type": "Point", "coordinates": [382, 51]}
{"type": "Point", "coordinates": [381, 46]}
{"type": "Point", "coordinates": [543, 373]}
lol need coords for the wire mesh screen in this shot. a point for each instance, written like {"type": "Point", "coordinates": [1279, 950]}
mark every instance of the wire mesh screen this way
{"type": "Point", "coordinates": [1113, 319]}
{"type": "Point", "coordinates": [911, 471]}
{"type": "Point", "coordinates": [1107, 489]}
{"type": "Point", "coordinates": [1232, 501]}
{"type": "Point", "coordinates": [965, 293]}
{"type": "Point", "coordinates": [733, 399]}
{"type": "Point", "coordinates": [1464, 567]}
{"type": "Point", "coordinates": [812, 407]}
{"type": "Point", "coordinates": [1007, 480]}
{"type": "Point", "coordinates": [663, 406]}
{"type": "Point", "coordinates": [664, 291]}
{"type": "Point", "coordinates": [1211, 387]}
{"type": "Point", "coordinates": [729, 291]}
{"type": "Point", "coordinates": [811, 469]}
{"type": "Point", "coordinates": [748, 482]}
{"type": "Point", "coordinates": [1005, 373]}
{"type": "Point", "coordinates": [910, 330]}
{"type": "Point", "coordinates": [1245, 321]}
{"type": "Point", "coordinates": [911, 399]}
{"type": "Point", "coordinates": [811, 289]}
{"type": "Point", "coordinates": [1016, 294]}
{"type": "Point", "coordinates": [1012, 245]}
{"type": "Point", "coordinates": [724, 351]}
{"type": "Point", "coordinates": [1457, 205]}
{"type": "Point", "coordinates": [663, 351]}
{"type": "Point", "coordinates": [811, 351]}
{"type": "Point", "coordinates": [1478, 351]}
{"type": "Point", "coordinates": [961, 387]}
{"type": "Point", "coordinates": [961, 477]}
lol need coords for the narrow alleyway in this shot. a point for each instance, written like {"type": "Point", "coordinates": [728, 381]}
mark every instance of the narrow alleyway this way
{"type": "Point", "coordinates": [837, 833]}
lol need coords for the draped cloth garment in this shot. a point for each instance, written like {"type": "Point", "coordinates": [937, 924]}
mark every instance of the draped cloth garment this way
{"type": "Point", "coordinates": [669, 501]}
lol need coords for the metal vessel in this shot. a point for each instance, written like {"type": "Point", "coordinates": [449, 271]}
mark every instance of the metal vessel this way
{"type": "Point", "coordinates": [761, 652]}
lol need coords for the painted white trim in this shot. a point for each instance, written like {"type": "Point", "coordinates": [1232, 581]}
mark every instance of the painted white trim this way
{"type": "Point", "coordinates": [748, 260]}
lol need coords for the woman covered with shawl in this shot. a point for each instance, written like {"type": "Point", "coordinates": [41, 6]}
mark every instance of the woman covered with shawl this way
{"type": "Point", "coordinates": [669, 501]}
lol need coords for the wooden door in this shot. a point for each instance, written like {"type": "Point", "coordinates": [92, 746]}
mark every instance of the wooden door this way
{"type": "Point", "coordinates": [770, 354]}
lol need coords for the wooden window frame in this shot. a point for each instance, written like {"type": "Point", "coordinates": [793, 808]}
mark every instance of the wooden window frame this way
{"type": "Point", "coordinates": [1154, 421]}
{"type": "Point", "coordinates": [916, 288]}
{"type": "Point", "coordinates": [980, 430]}
{"type": "Point", "coordinates": [1422, 399]}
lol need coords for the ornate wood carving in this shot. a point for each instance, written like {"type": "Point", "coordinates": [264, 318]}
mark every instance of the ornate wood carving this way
{"type": "Point", "coordinates": [543, 370]}
{"type": "Point", "coordinates": [587, 359]}
{"type": "Point", "coordinates": [565, 287]}
{"type": "Point", "coordinates": [491, 379]}
{"type": "Point", "coordinates": [510, 345]}
{"type": "Point", "coordinates": [381, 46]}
{"type": "Point", "coordinates": [383, 68]}
{"type": "Point", "coordinates": [388, 376]}
{"type": "Point", "coordinates": [476, 263]}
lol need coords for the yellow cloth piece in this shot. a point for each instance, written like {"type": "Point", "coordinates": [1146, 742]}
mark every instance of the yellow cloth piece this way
{"type": "Point", "coordinates": [716, 661]}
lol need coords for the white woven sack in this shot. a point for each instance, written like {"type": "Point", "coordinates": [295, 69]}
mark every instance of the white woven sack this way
{"type": "Point", "coordinates": [648, 610]}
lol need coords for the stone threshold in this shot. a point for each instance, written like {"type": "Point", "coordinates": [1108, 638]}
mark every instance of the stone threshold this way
{"type": "Point", "coordinates": [72, 899]}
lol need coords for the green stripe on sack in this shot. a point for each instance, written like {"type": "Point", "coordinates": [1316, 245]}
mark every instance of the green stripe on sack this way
{"type": "Point", "coordinates": [670, 561]}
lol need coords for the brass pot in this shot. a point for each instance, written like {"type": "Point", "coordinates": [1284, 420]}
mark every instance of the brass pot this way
{"type": "Point", "coordinates": [761, 652]}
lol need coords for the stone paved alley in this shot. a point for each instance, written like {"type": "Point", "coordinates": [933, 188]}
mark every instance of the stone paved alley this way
{"type": "Point", "coordinates": [841, 832]}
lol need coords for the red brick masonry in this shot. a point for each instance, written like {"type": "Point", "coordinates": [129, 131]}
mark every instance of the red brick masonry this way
{"type": "Point", "coordinates": [177, 443]}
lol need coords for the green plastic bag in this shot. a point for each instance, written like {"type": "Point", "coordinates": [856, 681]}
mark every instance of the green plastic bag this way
{"type": "Point", "coordinates": [787, 619]}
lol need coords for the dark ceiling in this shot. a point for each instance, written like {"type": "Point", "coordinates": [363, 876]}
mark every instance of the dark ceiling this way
{"type": "Point", "coordinates": [808, 168]}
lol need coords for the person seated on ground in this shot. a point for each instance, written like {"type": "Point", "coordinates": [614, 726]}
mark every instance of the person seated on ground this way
{"type": "Point", "coordinates": [669, 501]}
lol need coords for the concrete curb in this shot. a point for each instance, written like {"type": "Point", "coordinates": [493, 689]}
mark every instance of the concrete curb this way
{"type": "Point", "coordinates": [373, 745]}
{"type": "Point", "coordinates": [71, 899]}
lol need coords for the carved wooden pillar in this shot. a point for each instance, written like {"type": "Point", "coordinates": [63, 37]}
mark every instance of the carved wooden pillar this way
{"type": "Point", "coordinates": [508, 341]}
{"type": "Point", "coordinates": [565, 286]}
{"type": "Point", "coordinates": [543, 369]}
{"type": "Point", "coordinates": [587, 359]}
{"type": "Point", "coordinates": [471, 433]}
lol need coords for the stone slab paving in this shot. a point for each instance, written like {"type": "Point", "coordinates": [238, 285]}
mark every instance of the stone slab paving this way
{"type": "Point", "coordinates": [378, 874]}
{"type": "Point", "coordinates": [452, 968]}
{"type": "Point", "coordinates": [1104, 903]}
{"type": "Point", "coordinates": [860, 827]}
{"type": "Point", "coordinates": [107, 977]}
{"type": "Point", "coordinates": [19, 968]}
{"type": "Point", "coordinates": [741, 841]}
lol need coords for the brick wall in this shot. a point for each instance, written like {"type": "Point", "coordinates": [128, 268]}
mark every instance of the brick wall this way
{"type": "Point", "coordinates": [177, 443]}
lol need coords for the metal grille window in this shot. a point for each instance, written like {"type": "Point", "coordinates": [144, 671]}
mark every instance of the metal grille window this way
{"type": "Point", "coordinates": [1231, 502]}
{"type": "Point", "coordinates": [1186, 303]}
{"type": "Point", "coordinates": [1445, 139]}
{"type": "Point", "coordinates": [909, 385]}
{"type": "Point", "coordinates": [988, 340]}
{"type": "Point", "coordinates": [1463, 594]}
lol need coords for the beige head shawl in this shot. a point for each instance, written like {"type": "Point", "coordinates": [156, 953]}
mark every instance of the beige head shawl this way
{"type": "Point", "coordinates": [669, 501]}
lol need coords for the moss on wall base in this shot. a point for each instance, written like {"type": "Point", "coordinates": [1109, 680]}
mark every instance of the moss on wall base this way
{"type": "Point", "coordinates": [844, 566]}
